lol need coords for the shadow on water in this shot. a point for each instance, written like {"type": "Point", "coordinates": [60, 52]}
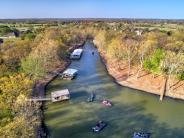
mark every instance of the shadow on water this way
{"type": "Point", "coordinates": [120, 125]}
{"type": "Point", "coordinates": [132, 110]}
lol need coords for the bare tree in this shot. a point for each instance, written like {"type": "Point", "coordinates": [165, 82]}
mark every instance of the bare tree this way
{"type": "Point", "coordinates": [171, 65]}
{"type": "Point", "coordinates": [145, 47]}
{"type": "Point", "coordinates": [131, 46]}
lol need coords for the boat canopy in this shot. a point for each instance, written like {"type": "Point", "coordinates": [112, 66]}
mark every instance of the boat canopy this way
{"type": "Point", "coordinates": [70, 71]}
{"type": "Point", "coordinates": [77, 52]}
{"type": "Point", "coordinates": [60, 95]}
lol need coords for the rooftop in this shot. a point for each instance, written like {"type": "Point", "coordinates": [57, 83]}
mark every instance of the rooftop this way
{"type": "Point", "coordinates": [60, 93]}
{"type": "Point", "coordinates": [70, 71]}
{"type": "Point", "coordinates": [77, 51]}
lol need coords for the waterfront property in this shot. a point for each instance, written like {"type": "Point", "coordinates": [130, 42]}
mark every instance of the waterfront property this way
{"type": "Point", "coordinates": [60, 95]}
{"type": "Point", "coordinates": [76, 54]}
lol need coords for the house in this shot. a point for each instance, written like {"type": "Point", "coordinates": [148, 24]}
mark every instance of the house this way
{"type": "Point", "coordinates": [60, 95]}
{"type": "Point", "coordinates": [69, 73]}
{"type": "Point", "coordinates": [138, 32]}
{"type": "Point", "coordinates": [24, 30]}
{"type": "Point", "coordinates": [9, 35]}
{"type": "Point", "coordinates": [76, 54]}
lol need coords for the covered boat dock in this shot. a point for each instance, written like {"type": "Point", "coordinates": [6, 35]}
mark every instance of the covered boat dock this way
{"type": "Point", "coordinates": [76, 54]}
{"type": "Point", "coordinates": [60, 95]}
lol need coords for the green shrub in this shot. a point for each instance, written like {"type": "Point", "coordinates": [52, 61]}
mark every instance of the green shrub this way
{"type": "Point", "coordinates": [180, 75]}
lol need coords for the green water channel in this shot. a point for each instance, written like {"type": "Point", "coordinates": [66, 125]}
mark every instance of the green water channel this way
{"type": "Point", "coordinates": [132, 110]}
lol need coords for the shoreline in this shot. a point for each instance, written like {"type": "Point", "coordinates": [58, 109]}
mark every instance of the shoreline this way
{"type": "Point", "coordinates": [111, 71]}
{"type": "Point", "coordinates": [39, 89]}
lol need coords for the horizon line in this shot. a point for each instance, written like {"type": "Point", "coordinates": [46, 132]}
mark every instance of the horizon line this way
{"type": "Point", "coordinates": [88, 18]}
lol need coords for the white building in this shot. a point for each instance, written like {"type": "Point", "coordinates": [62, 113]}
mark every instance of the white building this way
{"type": "Point", "coordinates": [139, 32]}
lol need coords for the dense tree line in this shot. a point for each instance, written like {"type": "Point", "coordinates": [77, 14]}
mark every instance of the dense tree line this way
{"type": "Point", "coordinates": [160, 53]}
{"type": "Point", "coordinates": [22, 62]}
{"type": "Point", "coordinates": [29, 58]}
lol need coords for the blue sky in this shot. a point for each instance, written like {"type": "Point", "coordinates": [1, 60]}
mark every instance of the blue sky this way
{"type": "Point", "coordinates": [165, 9]}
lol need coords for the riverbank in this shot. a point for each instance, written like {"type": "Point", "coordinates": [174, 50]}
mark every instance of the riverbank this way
{"type": "Point", "coordinates": [132, 110]}
{"type": "Point", "coordinates": [145, 81]}
{"type": "Point", "coordinates": [40, 85]}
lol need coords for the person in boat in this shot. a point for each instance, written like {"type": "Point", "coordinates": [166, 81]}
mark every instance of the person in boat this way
{"type": "Point", "coordinates": [91, 97]}
{"type": "Point", "coordinates": [141, 135]}
{"type": "Point", "coordinates": [99, 126]}
{"type": "Point", "coordinates": [106, 103]}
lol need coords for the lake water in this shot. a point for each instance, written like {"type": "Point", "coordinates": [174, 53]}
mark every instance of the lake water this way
{"type": "Point", "coordinates": [132, 110]}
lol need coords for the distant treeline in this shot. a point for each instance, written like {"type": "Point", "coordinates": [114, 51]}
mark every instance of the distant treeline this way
{"type": "Point", "coordinates": [59, 20]}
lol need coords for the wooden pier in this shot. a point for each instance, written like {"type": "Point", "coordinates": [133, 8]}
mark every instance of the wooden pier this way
{"type": "Point", "coordinates": [37, 99]}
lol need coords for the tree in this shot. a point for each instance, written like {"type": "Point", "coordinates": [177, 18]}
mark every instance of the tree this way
{"type": "Point", "coordinates": [171, 65]}
{"type": "Point", "coordinates": [131, 47]}
{"type": "Point", "coordinates": [33, 66]}
{"type": "Point", "coordinates": [153, 63]}
{"type": "Point", "coordinates": [145, 49]}
{"type": "Point", "coordinates": [5, 30]}
{"type": "Point", "coordinates": [100, 40]}
{"type": "Point", "coordinates": [114, 49]}
{"type": "Point", "coordinates": [12, 53]}
{"type": "Point", "coordinates": [11, 87]}
{"type": "Point", "coordinates": [18, 117]}
{"type": "Point", "coordinates": [24, 123]}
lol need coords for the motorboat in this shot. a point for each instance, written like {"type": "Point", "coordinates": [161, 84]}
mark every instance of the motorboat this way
{"type": "Point", "coordinates": [69, 73]}
{"type": "Point", "coordinates": [141, 135]}
{"type": "Point", "coordinates": [99, 126]}
{"type": "Point", "coordinates": [91, 97]}
{"type": "Point", "coordinates": [106, 103]}
{"type": "Point", "coordinates": [76, 54]}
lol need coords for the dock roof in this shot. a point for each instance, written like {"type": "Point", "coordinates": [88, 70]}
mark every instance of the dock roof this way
{"type": "Point", "coordinates": [70, 71]}
{"type": "Point", "coordinates": [60, 93]}
{"type": "Point", "coordinates": [77, 51]}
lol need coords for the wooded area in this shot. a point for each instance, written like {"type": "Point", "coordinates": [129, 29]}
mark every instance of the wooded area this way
{"type": "Point", "coordinates": [22, 63]}
{"type": "Point", "coordinates": [32, 55]}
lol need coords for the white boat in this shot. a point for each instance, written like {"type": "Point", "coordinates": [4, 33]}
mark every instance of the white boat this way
{"type": "Point", "coordinates": [76, 54]}
{"type": "Point", "coordinates": [69, 73]}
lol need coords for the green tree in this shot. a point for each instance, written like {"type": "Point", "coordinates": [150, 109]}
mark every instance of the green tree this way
{"type": "Point", "coordinates": [33, 66]}
{"type": "Point", "coordinates": [153, 63]}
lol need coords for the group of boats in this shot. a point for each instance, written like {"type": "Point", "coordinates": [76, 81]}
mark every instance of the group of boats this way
{"type": "Point", "coordinates": [91, 98]}
{"type": "Point", "coordinates": [71, 73]}
{"type": "Point", "coordinates": [100, 125]}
